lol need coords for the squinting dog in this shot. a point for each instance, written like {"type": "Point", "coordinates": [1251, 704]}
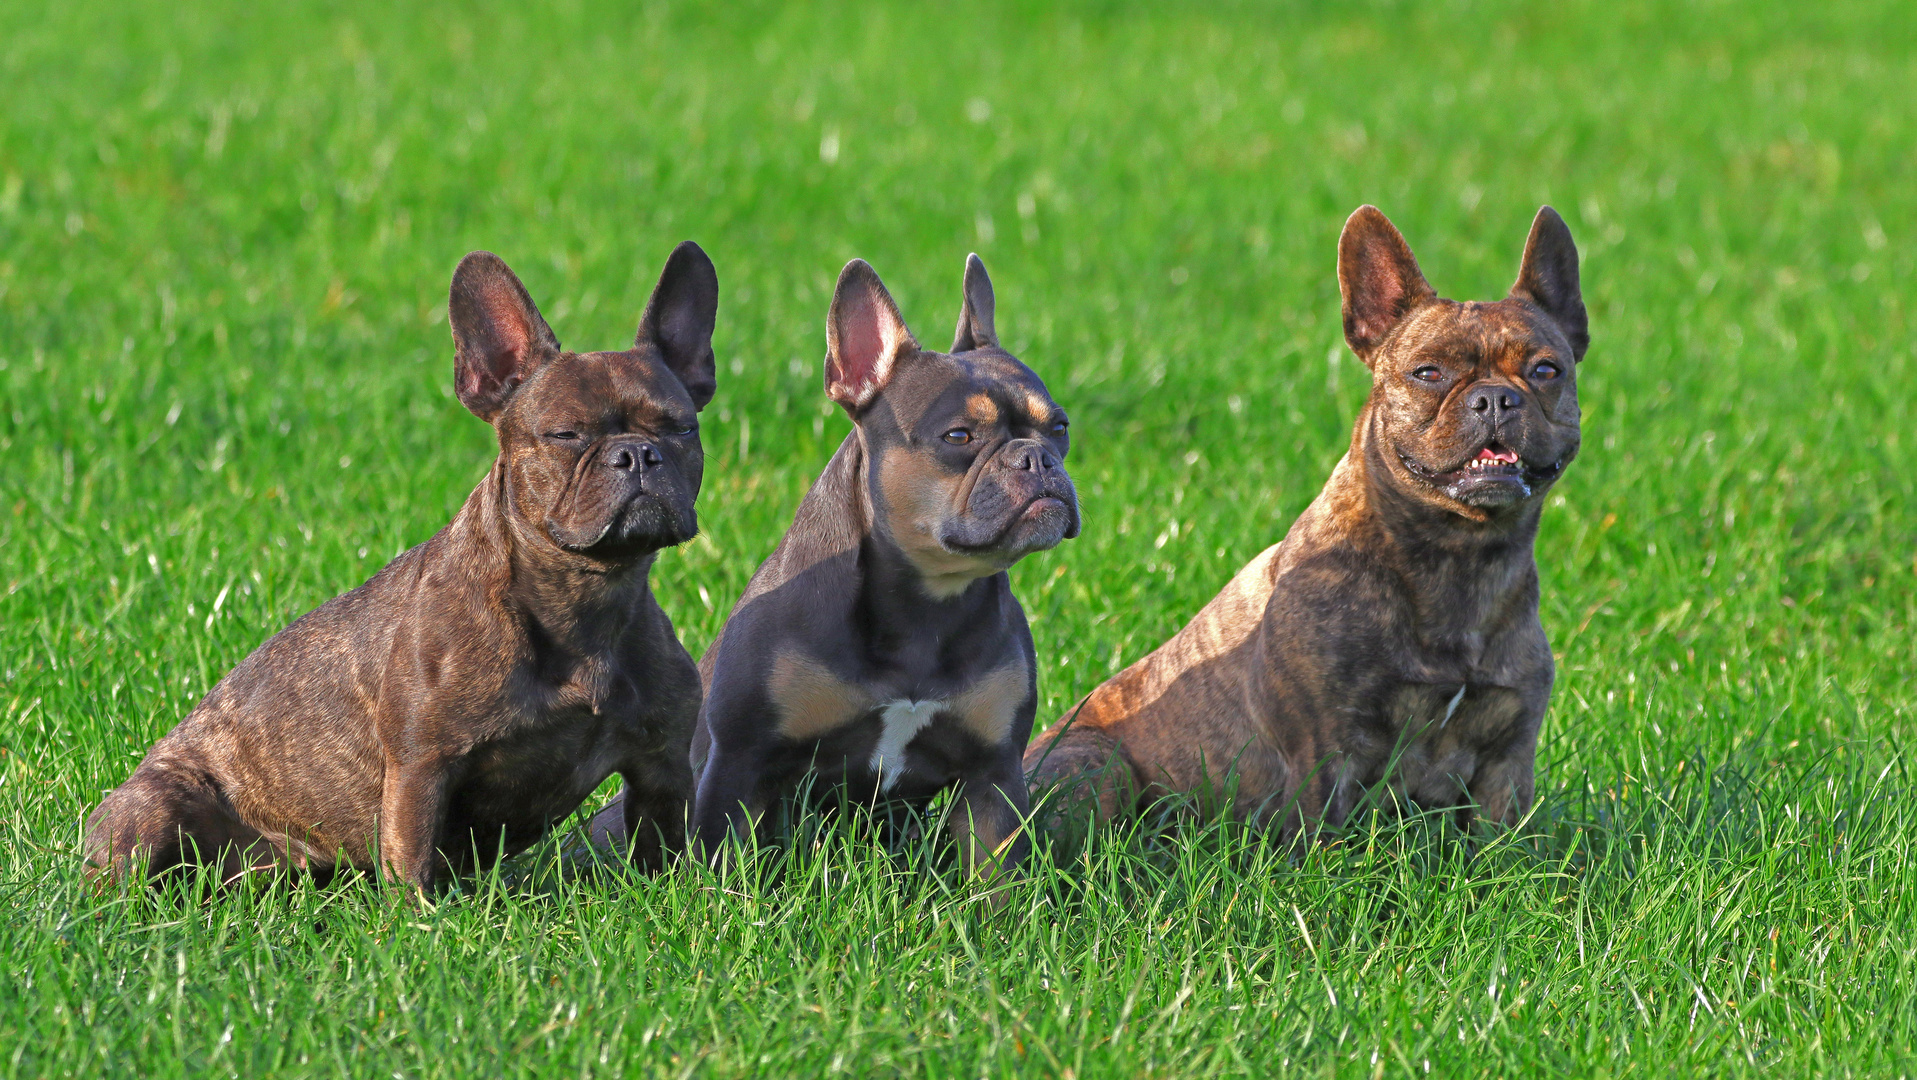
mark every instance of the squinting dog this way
{"type": "Point", "coordinates": [479, 687]}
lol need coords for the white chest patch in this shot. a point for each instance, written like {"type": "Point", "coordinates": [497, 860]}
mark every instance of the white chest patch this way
{"type": "Point", "coordinates": [903, 722]}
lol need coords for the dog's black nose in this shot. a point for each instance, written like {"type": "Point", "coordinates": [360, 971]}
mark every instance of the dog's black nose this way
{"type": "Point", "coordinates": [635, 457]}
{"type": "Point", "coordinates": [1494, 399]}
{"type": "Point", "coordinates": [1030, 455]}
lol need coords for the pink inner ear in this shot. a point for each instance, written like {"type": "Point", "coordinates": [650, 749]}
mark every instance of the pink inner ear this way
{"type": "Point", "coordinates": [499, 366]}
{"type": "Point", "coordinates": [860, 340]}
{"type": "Point", "coordinates": [515, 333]}
{"type": "Point", "coordinates": [1383, 295]}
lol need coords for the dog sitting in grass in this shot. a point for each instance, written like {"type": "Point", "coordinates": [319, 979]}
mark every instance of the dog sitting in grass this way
{"type": "Point", "coordinates": [1393, 636]}
{"type": "Point", "coordinates": [881, 647]}
{"type": "Point", "coordinates": [451, 709]}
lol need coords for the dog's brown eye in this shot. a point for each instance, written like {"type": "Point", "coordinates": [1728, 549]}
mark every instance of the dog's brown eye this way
{"type": "Point", "coordinates": [563, 435]}
{"type": "Point", "coordinates": [1427, 373]}
{"type": "Point", "coordinates": [958, 436]}
{"type": "Point", "coordinates": [1058, 427]}
{"type": "Point", "coordinates": [1546, 370]}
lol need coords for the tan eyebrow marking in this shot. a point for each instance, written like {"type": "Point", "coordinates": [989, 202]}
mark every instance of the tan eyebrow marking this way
{"type": "Point", "coordinates": [982, 408]}
{"type": "Point", "coordinates": [1040, 410]}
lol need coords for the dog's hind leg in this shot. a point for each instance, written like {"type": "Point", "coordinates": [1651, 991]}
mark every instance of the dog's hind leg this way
{"type": "Point", "coordinates": [1076, 770]}
{"type": "Point", "coordinates": [167, 818]}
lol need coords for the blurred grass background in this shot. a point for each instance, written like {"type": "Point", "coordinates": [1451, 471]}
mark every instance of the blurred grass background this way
{"type": "Point", "coordinates": [225, 238]}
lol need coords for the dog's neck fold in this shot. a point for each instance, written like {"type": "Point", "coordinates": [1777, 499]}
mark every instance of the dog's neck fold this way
{"type": "Point", "coordinates": [895, 595]}
{"type": "Point", "coordinates": [1458, 571]}
{"type": "Point", "coordinates": [580, 604]}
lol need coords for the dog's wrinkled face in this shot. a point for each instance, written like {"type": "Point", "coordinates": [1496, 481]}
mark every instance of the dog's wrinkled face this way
{"type": "Point", "coordinates": [970, 461]}
{"type": "Point", "coordinates": [966, 449]}
{"type": "Point", "coordinates": [1475, 404]}
{"type": "Point", "coordinates": [601, 449]}
{"type": "Point", "coordinates": [602, 453]}
{"type": "Point", "coordinates": [1479, 401]}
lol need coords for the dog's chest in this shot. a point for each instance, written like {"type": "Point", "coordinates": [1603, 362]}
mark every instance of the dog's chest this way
{"type": "Point", "coordinates": [900, 722]}
{"type": "Point", "coordinates": [570, 728]}
{"type": "Point", "coordinates": [591, 684]}
{"type": "Point", "coordinates": [876, 730]}
{"type": "Point", "coordinates": [912, 745]}
{"type": "Point", "coordinates": [1432, 738]}
{"type": "Point", "coordinates": [1449, 711]}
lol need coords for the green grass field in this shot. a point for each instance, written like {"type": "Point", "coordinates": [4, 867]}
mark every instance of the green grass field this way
{"type": "Point", "coordinates": [225, 239]}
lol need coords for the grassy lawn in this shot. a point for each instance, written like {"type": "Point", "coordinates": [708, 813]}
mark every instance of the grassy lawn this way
{"type": "Point", "coordinates": [225, 395]}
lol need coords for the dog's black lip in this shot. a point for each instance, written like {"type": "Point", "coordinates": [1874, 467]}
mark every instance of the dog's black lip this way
{"type": "Point", "coordinates": [594, 547]}
{"type": "Point", "coordinates": [1441, 478]}
{"type": "Point", "coordinates": [996, 542]}
{"type": "Point", "coordinates": [650, 545]}
{"type": "Point", "coordinates": [1033, 505]}
{"type": "Point", "coordinates": [581, 549]}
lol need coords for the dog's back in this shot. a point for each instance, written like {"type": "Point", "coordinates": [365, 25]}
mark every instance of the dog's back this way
{"type": "Point", "coordinates": [1175, 707]}
{"type": "Point", "coordinates": [266, 767]}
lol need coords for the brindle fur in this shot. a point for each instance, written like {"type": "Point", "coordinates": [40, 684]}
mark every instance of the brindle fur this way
{"type": "Point", "coordinates": [480, 686]}
{"type": "Point", "coordinates": [890, 587]}
{"type": "Point", "coordinates": [1393, 636]}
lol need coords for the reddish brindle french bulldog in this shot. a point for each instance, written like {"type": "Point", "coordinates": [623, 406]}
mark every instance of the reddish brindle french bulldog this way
{"type": "Point", "coordinates": [880, 647]}
{"type": "Point", "coordinates": [471, 694]}
{"type": "Point", "coordinates": [1394, 635]}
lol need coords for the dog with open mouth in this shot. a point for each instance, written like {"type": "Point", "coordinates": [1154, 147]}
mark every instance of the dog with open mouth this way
{"type": "Point", "coordinates": [453, 708]}
{"type": "Point", "coordinates": [880, 646]}
{"type": "Point", "coordinates": [1393, 636]}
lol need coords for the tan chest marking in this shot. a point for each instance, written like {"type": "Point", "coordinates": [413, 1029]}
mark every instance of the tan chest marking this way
{"type": "Point", "coordinates": [987, 708]}
{"type": "Point", "coordinates": [811, 701]}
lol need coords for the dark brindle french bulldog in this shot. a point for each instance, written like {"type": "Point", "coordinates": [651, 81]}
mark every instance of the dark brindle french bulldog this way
{"type": "Point", "coordinates": [880, 646]}
{"type": "Point", "coordinates": [480, 686]}
{"type": "Point", "coordinates": [1394, 634]}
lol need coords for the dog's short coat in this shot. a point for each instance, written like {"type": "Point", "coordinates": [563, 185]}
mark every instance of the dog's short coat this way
{"type": "Point", "coordinates": [880, 646]}
{"type": "Point", "coordinates": [480, 686]}
{"type": "Point", "coordinates": [1394, 633]}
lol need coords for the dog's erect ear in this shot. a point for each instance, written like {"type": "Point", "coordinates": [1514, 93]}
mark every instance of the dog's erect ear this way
{"type": "Point", "coordinates": [864, 338]}
{"type": "Point", "coordinates": [975, 329]}
{"type": "Point", "coordinates": [679, 319]}
{"type": "Point", "coordinates": [1549, 278]}
{"type": "Point", "coordinates": [499, 340]}
{"type": "Point", "coordinates": [1378, 279]}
